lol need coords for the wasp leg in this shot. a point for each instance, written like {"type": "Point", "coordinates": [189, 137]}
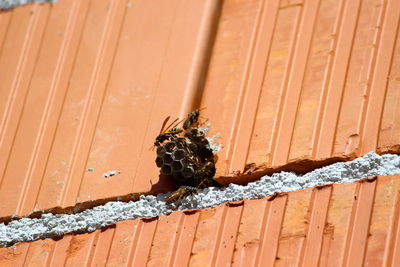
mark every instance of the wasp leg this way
{"type": "Point", "coordinates": [207, 182]}
{"type": "Point", "coordinates": [182, 192]}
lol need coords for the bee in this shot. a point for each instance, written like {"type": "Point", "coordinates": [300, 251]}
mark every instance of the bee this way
{"type": "Point", "coordinates": [166, 134]}
{"type": "Point", "coordinates": [192, 119]}
{"type": "Point", "coordinates": [182, 192]}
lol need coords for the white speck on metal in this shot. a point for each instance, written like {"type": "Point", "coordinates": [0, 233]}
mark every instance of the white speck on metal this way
{"type": "Point", "coordinates": [110, 173]}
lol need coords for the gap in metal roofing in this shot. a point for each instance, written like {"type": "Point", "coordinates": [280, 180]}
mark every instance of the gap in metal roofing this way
{"type": "Point", "coordinates": [9, 4]}
{"type": "Point", "coordinates": [53, 226]}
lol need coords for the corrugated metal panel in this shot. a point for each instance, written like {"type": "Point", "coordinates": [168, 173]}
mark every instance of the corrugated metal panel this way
{"type": "Point", "coordinates": [304, 80]}
{"type": "Point", "coordinates": [86, 85]}
{"type": "Point", "coordinates": [352, 224]}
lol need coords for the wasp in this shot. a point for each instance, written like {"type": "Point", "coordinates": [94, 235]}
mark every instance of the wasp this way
{"type": "Point", "coordinates": [204, 176]}
{"type": "Point", "coordinates": [182, 192]}
{"type": "Point", "coordinates": [166, 134]}
{"type": "Point", "coordinates": [187, 143]}
{"type": "Point", "coordinates": [194, 160]}
{"type": "Point", "coordinates": [192, 119]}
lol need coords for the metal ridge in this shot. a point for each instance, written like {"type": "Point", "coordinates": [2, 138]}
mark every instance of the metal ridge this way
{"type": "Point", "coordinates": [343, 224]}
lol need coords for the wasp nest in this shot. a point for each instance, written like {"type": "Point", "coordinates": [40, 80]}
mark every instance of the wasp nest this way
{"type": "Point", "coordinates": [184, 155]}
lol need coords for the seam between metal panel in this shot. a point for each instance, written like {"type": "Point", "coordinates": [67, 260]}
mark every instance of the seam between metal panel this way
{"type": "Point", "coordinates": [118, 35]}
{"type": "Point", "coordinates": [86, 11]}
{"type": "Point", "coordinates": [249, 62]}
{"type": "Point", "coordinates": [236, 233]}
{"type": "Point", "coordinates": [325, 82]}
{"type": "Point", "coordinates": [46, 115]}
{"type": "Point", "coordinates": [269, 223]}
{"type": "Point", "coordinates": [368, 91]}
{"type": "Point", "coordinates": [284, 88]}
{"type": "Point", "coordinates": [132, 252]}
{"type": "Point", "coordinates": [319, 207]}
{"type": "Point", "coordinates": [329, 125]}
{"type": "Point", "coordinates": [28, 179]}
{"type": "Point", "coordinates": [249, 100]}
{"type": "Point", "coordinates": [86, 110]}
{"type": "Point", "coordinates": [66, 45]}
{"type": "Point", "coordinates": [379, 93]}
{"type": "Point", "coordinates": [391, 258]}
{"type": "Point", "coordinates": [217, 240]}
{"type": "Point", "coordinates": [194, 236]}
{"type": "Point", "coordinates": [397, 39]}
{"type": "Point", "coordinates": [15, 84]}
{"type": "Point", "coordinates": [365, 197]}
{"type": "Point", "coordinates": [84, 124]}
{"type": "Point", "coordinates": [7, 29]}
{"type": "Point", "coordinates": [177, 238]}
{"type": "Point", "coordinates": [92, 249]}
{"type": "Point", "coordinates": [304, 41]}
{"type": "Point", "coordinates": [156, 88]}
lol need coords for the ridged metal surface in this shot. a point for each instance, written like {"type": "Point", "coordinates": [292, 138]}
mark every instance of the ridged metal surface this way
{"type": "Point", "coordinates": [304, 80]}
{"type": "Point", "coordinates": [354, 224]}
{"type": "Point", "coordinates": [85, 87]}
{"type": "Point", "coordinates": [86, 84]}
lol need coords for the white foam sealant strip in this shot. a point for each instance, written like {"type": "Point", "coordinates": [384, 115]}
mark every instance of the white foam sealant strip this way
{"type": "Point", "coordinates": [8, 4]}
{"type": "Point", "coordinates": [49, 225]}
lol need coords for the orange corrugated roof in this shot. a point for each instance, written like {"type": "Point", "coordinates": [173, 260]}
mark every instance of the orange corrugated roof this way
{"type": "Point", "coordinates": [353, 224]}
{"type": "Point", "coordinates": [86, 84]}
{"type": "Point", "coordinates": [307, 80]}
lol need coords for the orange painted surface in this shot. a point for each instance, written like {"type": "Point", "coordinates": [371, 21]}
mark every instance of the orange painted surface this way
{"type": "Point", "coordinates": [305, 80]}
{"type": "Point", "coordinates": [85, 85]}
{"type": "Point", "coordinates": [354, 224]}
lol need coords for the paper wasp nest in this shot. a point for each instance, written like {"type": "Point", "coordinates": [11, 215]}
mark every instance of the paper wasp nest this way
{"type": "Point", "coordinates": [182, 156]}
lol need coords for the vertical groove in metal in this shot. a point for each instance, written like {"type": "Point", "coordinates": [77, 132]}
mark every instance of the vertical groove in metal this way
{"type": "Point", "coordinates": [271, 230]}
{"type": "Point", "coordinates": [117, 68]}
{"type": "Point", "coordinates": [359, 224]}
{"type": "Point", "coordinates": [384, 43]}
{"type": "Point", "coordinates": [311, 250]}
